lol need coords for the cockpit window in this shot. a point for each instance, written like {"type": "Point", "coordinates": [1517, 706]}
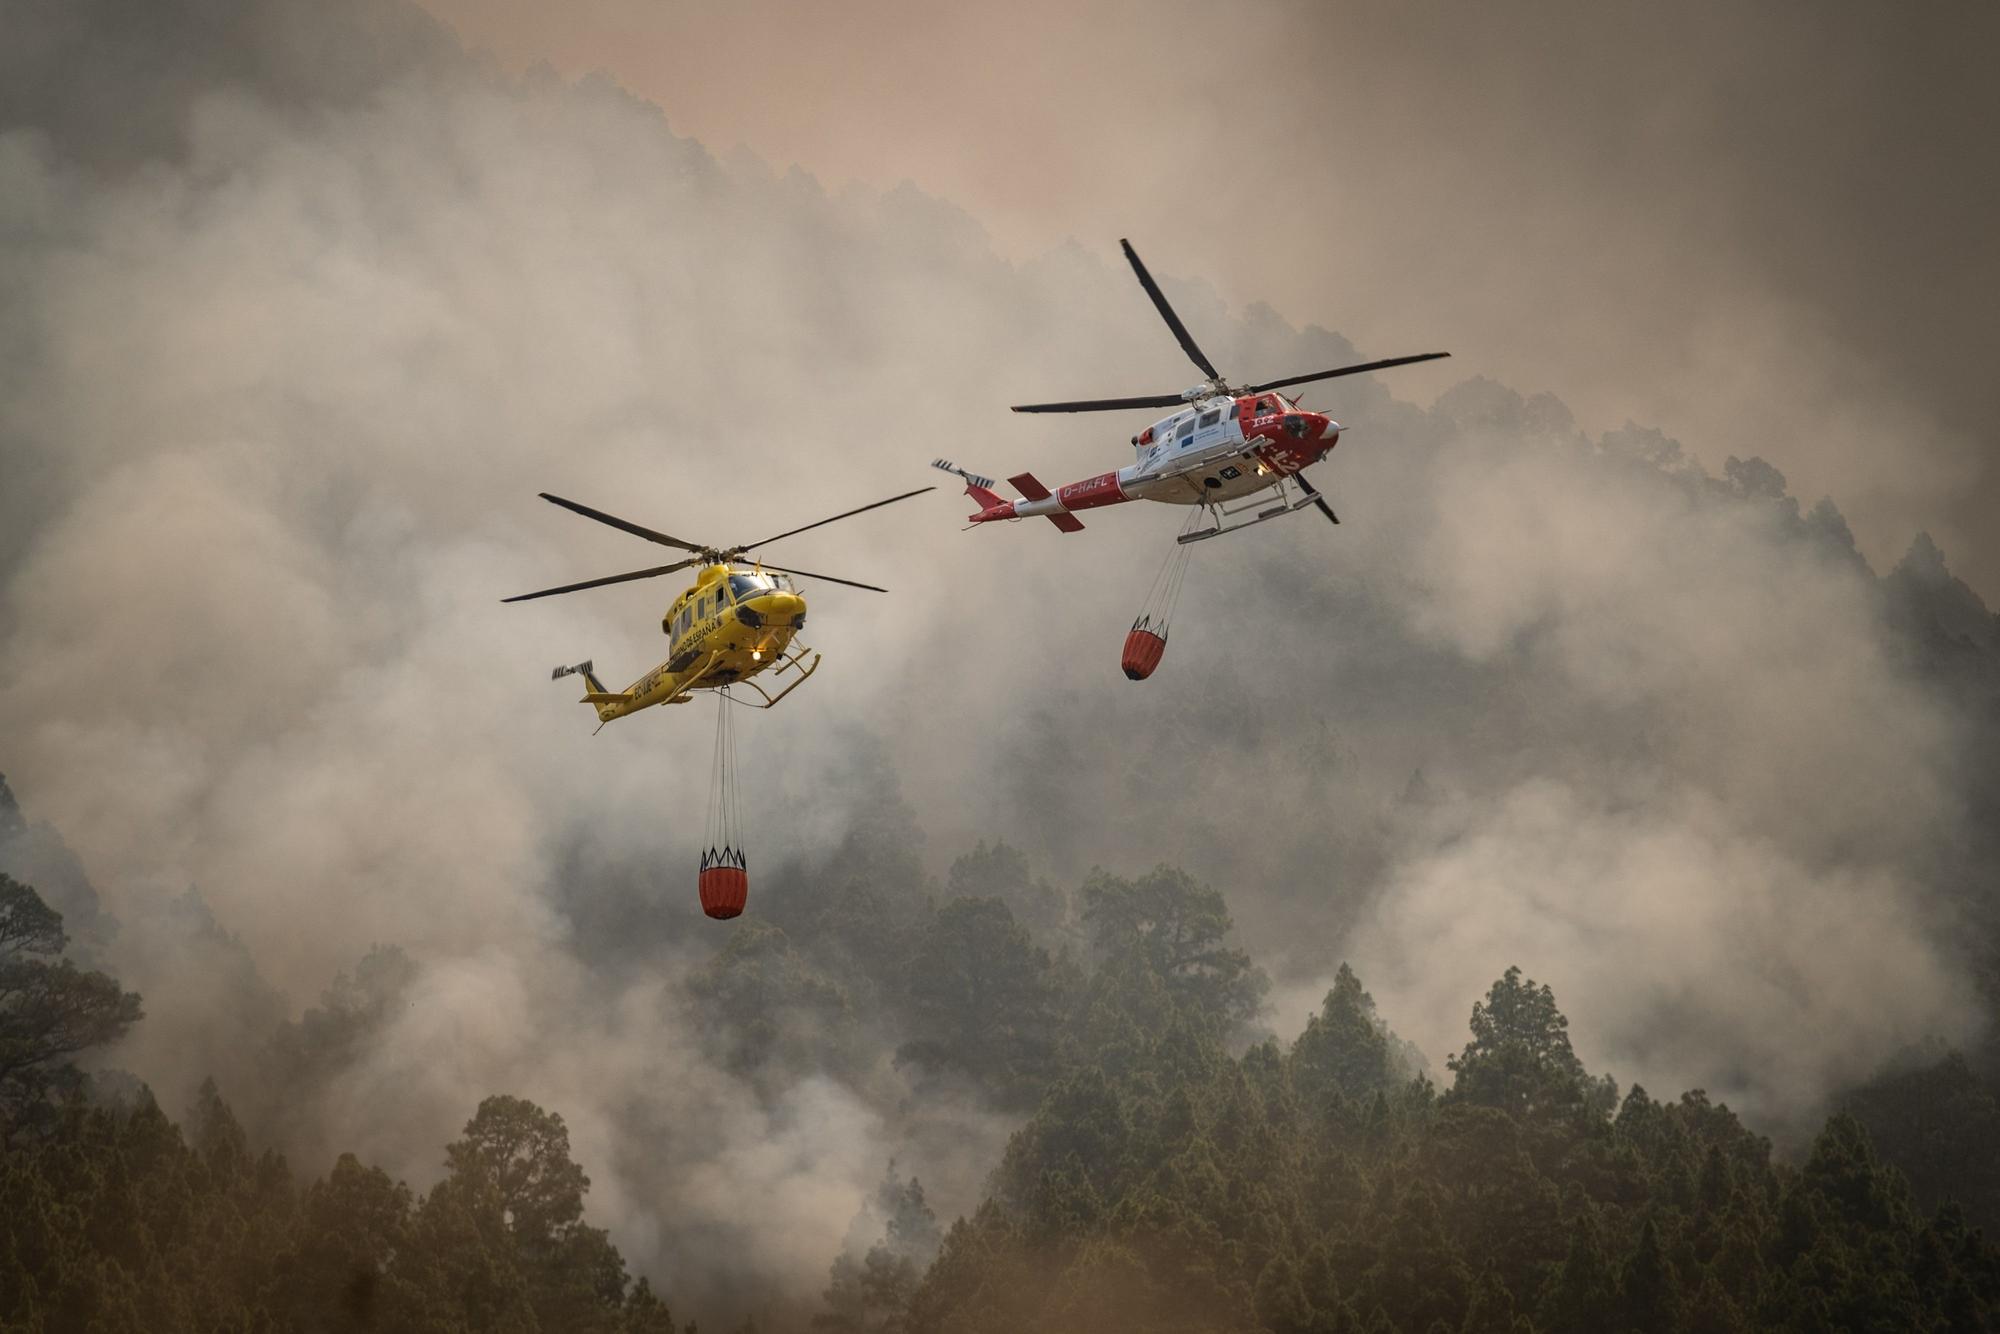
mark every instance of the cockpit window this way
{"type": "Point", "coordinates": [1185, 429]}
{"type": "Point", "coordinates": [1210, 418]}
{"type": "Point", "coordinates": [750, 585]}
{"type": "Point", "coordinates": [1265, 406]}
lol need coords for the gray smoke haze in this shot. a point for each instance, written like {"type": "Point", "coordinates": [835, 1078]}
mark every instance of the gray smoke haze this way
{"type": "Point", "coordinates": [1763, 227]}
{"type": "Point", "coordinates": [289, 357]}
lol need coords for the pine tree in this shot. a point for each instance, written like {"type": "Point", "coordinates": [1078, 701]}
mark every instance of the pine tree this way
{"type": "Point", "coordinates": [1343, 1049]}
{"type": "Point", "coordinates": [50, 1010]}
{"type": "Point", "coordinates": [981, 1001]}
{"type": "Point", "coordinates": [1648, 1293]}
{"type": "Point", "coordinates": [1280, 1302]}
{"type": "Point", "coordinates": [1491, 1308]}
{"type": "Point", "coordinates": [1581, 1295]}
{"type": "Point", "coordinates": [1520, 1059]}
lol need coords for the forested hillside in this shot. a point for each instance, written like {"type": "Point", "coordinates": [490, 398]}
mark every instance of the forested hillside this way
{"type": "Point", "coordinates": [1170, 1173]}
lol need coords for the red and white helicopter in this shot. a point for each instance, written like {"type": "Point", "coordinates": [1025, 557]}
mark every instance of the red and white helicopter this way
{"type": "Point", "coordinates": [1226, 442]}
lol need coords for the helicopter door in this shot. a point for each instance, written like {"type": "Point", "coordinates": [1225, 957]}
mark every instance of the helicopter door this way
{"type": "Point", "coordinates": [1216, 426]}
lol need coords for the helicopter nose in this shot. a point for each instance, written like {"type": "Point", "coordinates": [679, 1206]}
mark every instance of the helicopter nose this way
{"type": "Point", "coordinates": [773, 609]}
{"type": "Point", "coordinates": [1330, 431]}
{"type": "Point", "coordinates": [781, 607]}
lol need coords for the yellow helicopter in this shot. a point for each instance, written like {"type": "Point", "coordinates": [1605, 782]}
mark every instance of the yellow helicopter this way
{"type": "Point", "coordinates": [735, 622]}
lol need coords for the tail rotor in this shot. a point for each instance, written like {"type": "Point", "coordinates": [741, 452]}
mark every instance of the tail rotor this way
{"type": "Point", "coordinates": [971, 479]}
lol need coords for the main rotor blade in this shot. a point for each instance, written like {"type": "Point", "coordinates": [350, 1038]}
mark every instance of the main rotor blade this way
{"type": "Point", "coordinates": [608, 579]}
{"type": "Point", "coordinates": [1343, 370]}
{"type": "Point", "coordinates": [632, 528]}
{"type": "Point", "coordinates": [808, 574]}
{"type": "Point", "coordinates": [1318, 499]}
{"type": "Point", "coordinates": [765, 542]}
{"type": "Point", "coordinates": [1105, 404]}
{"type": "Point", "coordinates": [1167, 313]}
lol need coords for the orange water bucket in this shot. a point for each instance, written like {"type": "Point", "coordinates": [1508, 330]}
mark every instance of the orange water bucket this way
{"type": "Point", "coordinates": [724, 883]}
{"type": "Point", "coordinates": [1143, 651]}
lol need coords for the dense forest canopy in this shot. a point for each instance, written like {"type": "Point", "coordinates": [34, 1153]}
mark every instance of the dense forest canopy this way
{"type": "Point", "coordinates": [1165, 1176]}
{"type": "Point", "coordinates": [347, 977]}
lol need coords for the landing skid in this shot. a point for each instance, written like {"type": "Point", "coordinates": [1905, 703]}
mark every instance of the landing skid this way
{"type": "Point", "coordinates": [1285, 504]}
{"type": "Point", "coordinates": [793, 659]}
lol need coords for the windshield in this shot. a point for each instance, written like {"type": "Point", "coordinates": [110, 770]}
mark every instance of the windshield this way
{"type": "Point", "coordinates": [750, 585]}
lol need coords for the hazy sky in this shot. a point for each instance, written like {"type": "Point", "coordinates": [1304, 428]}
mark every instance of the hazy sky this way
{"type": "Point", "coordinates": [301, 311]}
{"type": "Point", "coordinates": [1763, 228]}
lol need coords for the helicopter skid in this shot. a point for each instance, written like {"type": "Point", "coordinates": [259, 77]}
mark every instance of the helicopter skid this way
{"type": "Point", "coordinates": [1283, 507]}
{"type": "Point", "coordinates": [794, 659]}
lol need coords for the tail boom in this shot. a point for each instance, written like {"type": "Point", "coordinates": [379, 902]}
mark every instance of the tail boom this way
{"type": "Point", "coordinates": [1037, 501]}
{"type": "Point", "coordinates": [1059, 507]}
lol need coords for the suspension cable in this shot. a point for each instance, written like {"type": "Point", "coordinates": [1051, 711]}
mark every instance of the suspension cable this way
{"type": "Point", "coordinates": [725, 814]}
{"type": "Point", "coordinates": [1156, 613]}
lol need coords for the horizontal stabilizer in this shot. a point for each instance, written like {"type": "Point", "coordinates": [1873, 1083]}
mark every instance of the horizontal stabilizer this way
{"type": "Point", "coordinates": [607, 697]}
{"type": "Point", "coordinates": [1028, 486]}
{"type": "Point", "coordinates": [1066, 521]}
